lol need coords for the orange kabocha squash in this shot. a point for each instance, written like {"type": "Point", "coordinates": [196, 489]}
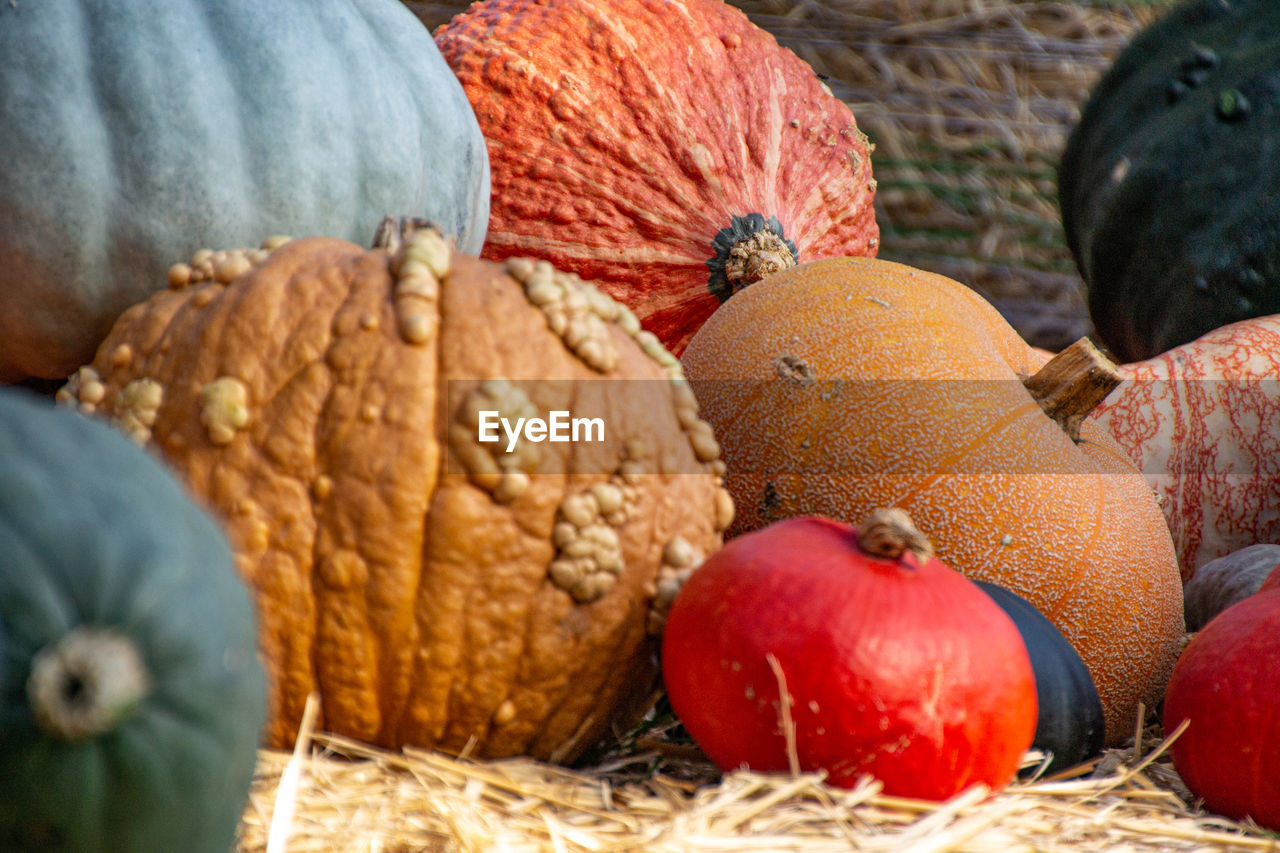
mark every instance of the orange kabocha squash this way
{"type": "Point", "coordinates": [1202, 421]}
{"type": "Point", "coordinates": [669, 150]}
{"type": "Point", "coordinates": [843, 385]}
{"type": "Point", "coordinates": [434, 589]}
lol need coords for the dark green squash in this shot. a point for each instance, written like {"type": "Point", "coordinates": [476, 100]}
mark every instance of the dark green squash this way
{"type": "Point", "coordinates": [1070, 725]}
{"type": "Point", "coordinates": [131, 695]}
{"type": "Point", "coordinates": [1169, 185]}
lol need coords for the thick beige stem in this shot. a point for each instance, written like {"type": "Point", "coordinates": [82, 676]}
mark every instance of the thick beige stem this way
{"type": "Point", "coordinates": [1072, 384]}
{"type": "Point", "coordinates": [889, 533]}
{"type": "Point", "coordinates": [757, 257]}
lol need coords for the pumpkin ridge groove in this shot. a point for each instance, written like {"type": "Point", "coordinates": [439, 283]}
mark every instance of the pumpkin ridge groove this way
{"type": "Point", "coordinates": [103, 136]}
{"type": "Point", "coordinates": [399, 711]}
{"type": "Point", "coordinates": [400, 723]}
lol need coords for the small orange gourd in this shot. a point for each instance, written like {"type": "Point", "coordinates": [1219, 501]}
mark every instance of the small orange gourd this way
{"type": "Point", "coordinates": [433, 588]}
{"type": "Point", "coordinates": [843, 385]}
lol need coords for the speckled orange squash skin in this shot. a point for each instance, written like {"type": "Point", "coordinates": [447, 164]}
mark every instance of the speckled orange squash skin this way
{"type": "Point", "coordinates": [1202, 421]}
{"type": "Point", "coordinates": [998, 487]}
{"type": "Point", "coordinates": [623, 136]}
{"type": "Point", "coordinates": [396, 576]}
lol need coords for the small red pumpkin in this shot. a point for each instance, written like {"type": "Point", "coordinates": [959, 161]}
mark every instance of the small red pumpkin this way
{"type": "Point", "coordinates": [1225, 683]}
{"type": "Point", "coordinates": [815, 645]}
{"type": "Point", "coordinates": [670, 151]}
{"type": "Point", "coordinates": [1202, 421]}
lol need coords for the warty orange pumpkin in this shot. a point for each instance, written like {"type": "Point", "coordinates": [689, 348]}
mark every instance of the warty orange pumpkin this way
{"type": "Point", "coordinates": [433, 589]}
{"type": "Point", "coordinates": [843, 385]}
{"type": "Point", "coordinates": [669, 150]}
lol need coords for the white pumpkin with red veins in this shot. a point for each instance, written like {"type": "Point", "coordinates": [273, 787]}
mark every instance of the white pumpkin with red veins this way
{"type": "Point", "coordinates": [1202, 421]}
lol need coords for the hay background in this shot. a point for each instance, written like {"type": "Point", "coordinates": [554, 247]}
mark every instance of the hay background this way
{"type": "Point", "coordinates": [969, 103]}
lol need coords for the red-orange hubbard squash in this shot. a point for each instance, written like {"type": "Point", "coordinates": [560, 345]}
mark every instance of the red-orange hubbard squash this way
{"type": "Point", "coordinates": [668, 150]}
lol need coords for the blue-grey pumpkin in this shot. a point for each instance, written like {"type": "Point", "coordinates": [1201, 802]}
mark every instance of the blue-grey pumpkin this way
{"type": "Point", "coordinates": [132, 698]}
{"type": "Point", "coordinates": [136, 132]}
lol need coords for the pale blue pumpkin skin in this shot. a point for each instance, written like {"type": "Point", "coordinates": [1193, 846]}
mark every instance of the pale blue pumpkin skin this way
{"type": "Point", "coordinates": [136, 132]}
{"type": "Point", "coordinates": [95, 532]}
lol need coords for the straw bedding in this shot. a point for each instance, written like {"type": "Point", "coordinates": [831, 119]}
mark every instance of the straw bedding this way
{"type": "Point", "coordinates": [969, 103]}
{"type": "Point", "coordinates": [336, 796]}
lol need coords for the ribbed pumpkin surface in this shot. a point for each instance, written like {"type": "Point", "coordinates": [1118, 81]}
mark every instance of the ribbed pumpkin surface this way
{"type": "Point", "coordinates": [404, 571]}
{"type": "Point", "coordinates": [625, 136]}
{"type": "Point", "coordinates": [1202, 421]}
{"type": "Point", "coordinates": [844, 385]}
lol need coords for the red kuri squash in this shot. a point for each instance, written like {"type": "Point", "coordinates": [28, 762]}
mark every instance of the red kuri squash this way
{"type": "Point", "coordinates": [1225, 685]}
{"type": "Point", "coordinates": [668, 150]}
{"type": "Point", "coordinates": [815, 645]}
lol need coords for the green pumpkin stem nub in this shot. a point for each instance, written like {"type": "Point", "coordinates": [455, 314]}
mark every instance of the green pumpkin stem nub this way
{"type": "Point", "coordinates": [86, 683]}
{"type": "Point", "coordinates": [748, 250]}
{"type": "Point", "coordinates": [890, 533]}
{"type": "Point", "coordinates": [1072, 384]}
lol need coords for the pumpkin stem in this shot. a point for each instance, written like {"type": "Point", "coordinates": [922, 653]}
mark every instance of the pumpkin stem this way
{"type": "Point", "coordinates": [86, 683]}
{"type": "Point", "coordinates": [747, 251]}
{"type": "Point", "coordinates": [890, 532]}
{"type": "Point", "coordinates": [393, 232]}
{"type": "Point", "coordinates": [1072, 384]}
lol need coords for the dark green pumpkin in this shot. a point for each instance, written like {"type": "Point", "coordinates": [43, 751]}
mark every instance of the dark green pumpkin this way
{"type": "Point", "coordinates": [131, 695]}
{"type": "Point", "coordinates": [1070, 725]}
{"type": "Point", "coordinates": [1170, 182]}
{"type": "Point", "coordinates": [137, 132]}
